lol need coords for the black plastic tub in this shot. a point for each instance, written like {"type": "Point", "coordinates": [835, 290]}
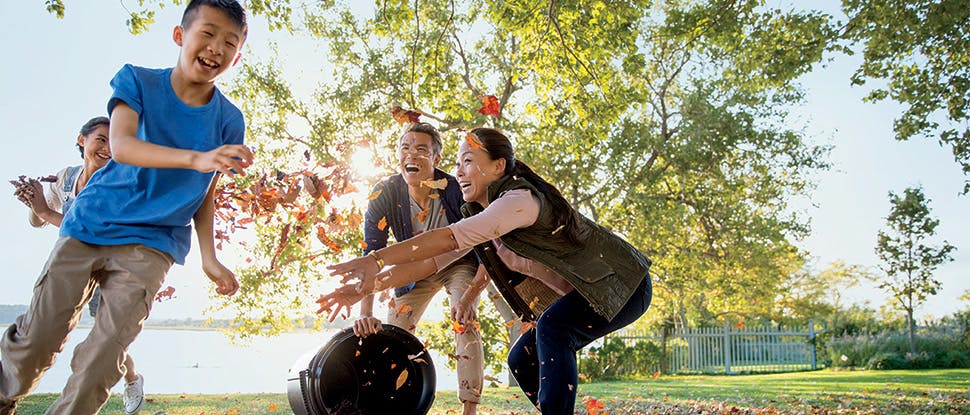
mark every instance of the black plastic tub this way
{"type": "Point", "coordinates": [388, 372]}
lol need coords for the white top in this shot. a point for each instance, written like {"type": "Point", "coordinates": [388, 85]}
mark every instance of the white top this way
{"type": "Point", "coordinates": [56, 195]}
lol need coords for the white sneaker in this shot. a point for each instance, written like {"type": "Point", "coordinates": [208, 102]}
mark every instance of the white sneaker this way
{"type": "Point", "coordinates": [134, 396]}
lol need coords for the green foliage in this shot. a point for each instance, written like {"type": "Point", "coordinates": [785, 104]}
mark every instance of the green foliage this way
{"type": "Point", "coordinates": [818, 296]}
{"type": "Point", "coordinates": [615, 359]}
{"type": "Point", "coordinates": [889, 351]}
{"type": "Point", "coordinates": [921, 50]}
{"type": "Point", "coordinates": [908, 261]}
{"type": "Point", "coordinates": [55, 7]}
{"type": "Point", "coordinates": [663, 121]}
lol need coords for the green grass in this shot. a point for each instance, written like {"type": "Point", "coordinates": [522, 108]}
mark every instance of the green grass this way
{"type": "Point", "coordinates": [821, 392]}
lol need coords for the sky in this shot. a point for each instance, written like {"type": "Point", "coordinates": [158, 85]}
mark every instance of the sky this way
{"type": "Point", "coordinates": [56, 78]}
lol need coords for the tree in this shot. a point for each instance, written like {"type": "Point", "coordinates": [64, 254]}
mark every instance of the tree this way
{"type": "Point", "coordinates": [819, 295]}
{"type": "Point", "coordinates": [908, 261]}
{"type": "Point", "coordinates": [921, 49]}
{"type": "Point", "coordinates": [665, 121]}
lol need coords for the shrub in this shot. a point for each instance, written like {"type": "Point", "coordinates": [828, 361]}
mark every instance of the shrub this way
{"type": "Point", "coordinates": [615, 359]}
{"type": "Point", "coordinates": [891, 351]}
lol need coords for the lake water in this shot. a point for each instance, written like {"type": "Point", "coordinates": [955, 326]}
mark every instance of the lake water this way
{"type": "Point", "coordinates": [184, 361]}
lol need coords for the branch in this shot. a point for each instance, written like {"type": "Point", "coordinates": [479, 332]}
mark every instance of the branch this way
{"type": "Point", "coordinates": [567, 49]}
{"type": "Point", "coordinates": [466, 75]}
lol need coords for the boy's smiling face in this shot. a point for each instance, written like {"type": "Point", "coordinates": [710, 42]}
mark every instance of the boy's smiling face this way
{"type": "Point", "coordinates": [210, 45]}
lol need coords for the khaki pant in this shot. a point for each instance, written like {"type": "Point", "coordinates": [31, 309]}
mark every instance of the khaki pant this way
{"type": "Point", "coordinates": [468, 345]}
{"type": "Point", "coordinates": [129, 276]}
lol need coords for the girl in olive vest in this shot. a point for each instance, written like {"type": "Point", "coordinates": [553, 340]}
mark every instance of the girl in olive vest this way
{"type": "Point", "coordinates": [533, 232]}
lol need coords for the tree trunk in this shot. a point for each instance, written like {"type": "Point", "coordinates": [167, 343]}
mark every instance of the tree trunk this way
{"type": "Point", "coordinates": [912, 331]}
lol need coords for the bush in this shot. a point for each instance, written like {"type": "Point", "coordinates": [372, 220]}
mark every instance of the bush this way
{"type": "Point", "coordinates": [891, 351]}
{"type": "Point", "coordinates": [615, 359]}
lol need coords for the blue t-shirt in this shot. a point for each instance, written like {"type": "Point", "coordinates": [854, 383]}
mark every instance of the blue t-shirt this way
{"type": "Point", "coordinates": [125, 204]}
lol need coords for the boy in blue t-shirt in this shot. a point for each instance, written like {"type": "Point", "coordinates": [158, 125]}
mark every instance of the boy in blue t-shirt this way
{"type": "Point", "coordinates": [171, 130]}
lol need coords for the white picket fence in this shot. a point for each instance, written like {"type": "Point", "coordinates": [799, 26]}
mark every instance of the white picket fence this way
{"type": "Point", "coordinates": [731, 349]}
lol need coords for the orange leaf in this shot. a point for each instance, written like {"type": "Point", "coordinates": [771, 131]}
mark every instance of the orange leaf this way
{"type": "Point", "coordinates": [526, 326]}
{"type": "Point", "coordinates": [439, 184]}
{"type": "Point", "coordinates": [474, 142]}
{"type": "Point", "coordinates": [423, 215]}
{"type": "Point", "coordinates": [322, 236]}
{"type": "Point", "coordinates": [593, 406]}
{"type": "Point", "coordinates": [363, 245]}
{"type": "Point", "coordinates": [457, 327]}
{"type": "Point", "coordinates": [375, 194]}
{"type": "Point", "coordinates": [403, 377]}
{"type": "Point", "coordinates": [656, 374]}
{"type": "Point", "coordinates": [165, 294]}
{"type": "Point", "coordinates": [382, 224]}
{"type": "Point", "coordinates": [233, 412]}
{"type": "Point", "coordinates": [402, 115]}
{"type": "Point", "coordinates": [490, 105]}
{"type": "Point", "coordinates": [404, 309]}
{"type": "Point", "coordinates": [273, 408]}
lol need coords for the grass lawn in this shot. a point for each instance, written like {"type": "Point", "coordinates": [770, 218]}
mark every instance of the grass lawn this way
{"type": "Point", "coordinates": [822, 392]}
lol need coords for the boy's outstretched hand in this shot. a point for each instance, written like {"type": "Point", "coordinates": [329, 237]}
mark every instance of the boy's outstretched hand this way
{"type": "Point", "coordinates": [225, 280]}
{"type": "Point", "coordinates": [229, 159]}
{"type": "Point", "coordinates": [344, 297]}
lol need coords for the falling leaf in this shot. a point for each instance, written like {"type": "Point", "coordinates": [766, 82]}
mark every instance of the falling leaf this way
{"type": "Point", "coordinates": [165, 294]}
{"type": "Point", "coordinates": [422, 216]}
{"type": "Point", "coordinates": [363, 245]}
{"type": "Point", "coordinates": [357, 353]}
{"type": "Point", "coordinates": [490, 105]}
{"type": "Point", "coordinates": [532, 304]}
{"type": "Point", "coordinates": [474, 142]}
{"type": "Point", "coordinates": [403, 377]}
{"type": "Point", "coordinates": [510, 323]}
{"type": "Point", "coordinates": [404, 309]}
{"type": "Point", "coordinates": [558, 229]}
{"type": "Point", "coordinates": [402, 115]}
{"type": "Point", "coordinates": [375, 194]}
{"type": "Point", "coordinates": [382, 224]}
{"type": "Point", "coordinates": [439, 184]}
{"type": "Point", "coordinates": [526, 326]}
{"type": "Point", "coordinates": [656, 374]}
{"type": "Point", "coordinates": [457, 327]}
{"type": "Point", "coordinates": [322, 236]}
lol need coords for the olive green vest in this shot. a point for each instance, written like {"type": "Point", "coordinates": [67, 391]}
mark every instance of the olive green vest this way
{"type": "Point", "coordinates": [605, 270]}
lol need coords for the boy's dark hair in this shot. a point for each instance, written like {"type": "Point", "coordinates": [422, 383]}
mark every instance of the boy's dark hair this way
{"type": "Point", "coordinates": [232, 8]}
{"type": "Point", "coordinates": [89, 127]}
{"type": "Point", "coordinates": [423, 127]}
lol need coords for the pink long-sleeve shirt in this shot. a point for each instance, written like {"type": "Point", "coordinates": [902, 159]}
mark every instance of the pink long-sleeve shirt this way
{"type": "Point", "coordinates": [514, 209]}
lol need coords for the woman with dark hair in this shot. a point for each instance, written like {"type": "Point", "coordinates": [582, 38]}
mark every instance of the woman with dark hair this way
{"type": "Point", "coordinates": [521, 223]}
{"type": "Point", "coordinates": [92, 142]}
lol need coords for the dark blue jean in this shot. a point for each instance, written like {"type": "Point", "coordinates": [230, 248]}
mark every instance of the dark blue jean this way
{"type": "Point", "coordinates": [543, 360]}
